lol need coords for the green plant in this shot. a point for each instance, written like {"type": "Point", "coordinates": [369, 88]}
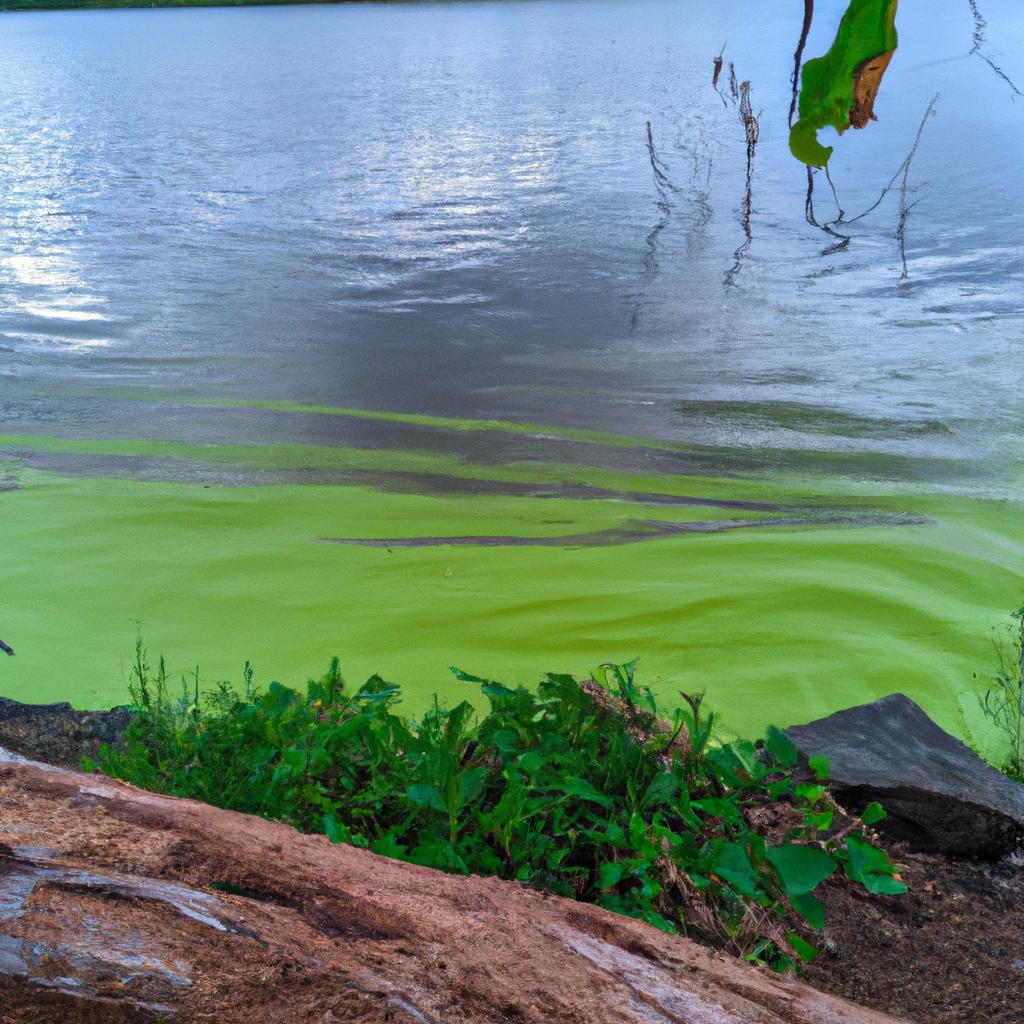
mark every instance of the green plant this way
{"type": "Point", "coordinates": [580, 788]}
{"type": "Point", "coordinates": [1002, 703]}
{"type": "Point", "coordinates": [838, 90]}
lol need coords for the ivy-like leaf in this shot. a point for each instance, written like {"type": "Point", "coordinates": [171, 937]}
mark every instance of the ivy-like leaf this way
{"type": "Point", "coordinates": [801, 869]}
{"type": "Point", "coordinates": [819, 764]}
{"type": "Point", "coordinates": [873, 813]}
{"type": "Point", "coordinates": [781, 747]}
{"type": "Point", "coordinates": [810, 908]}
{"type": "Point", "coordinates": [732, 865]}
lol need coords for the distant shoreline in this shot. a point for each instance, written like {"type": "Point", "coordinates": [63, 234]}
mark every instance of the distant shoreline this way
{"type": "Point", "coordinates": [14, 6]}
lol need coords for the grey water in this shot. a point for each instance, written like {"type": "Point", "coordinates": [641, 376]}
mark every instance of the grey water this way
{"type": "Point", "coordinates": [449, 208]}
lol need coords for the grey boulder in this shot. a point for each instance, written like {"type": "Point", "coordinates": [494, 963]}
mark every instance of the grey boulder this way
{"type": "Point", "coordinates": [939, 795]}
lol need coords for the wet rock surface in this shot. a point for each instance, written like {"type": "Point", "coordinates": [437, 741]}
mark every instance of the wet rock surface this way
{"type": "Point", "coordinates": [57, 733]}
{"type": "Point", "coordinates": [939, 795]}
{"type": "Point", "coordinates": [120, 905]}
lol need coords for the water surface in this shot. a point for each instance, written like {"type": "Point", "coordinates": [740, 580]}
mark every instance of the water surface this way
{"type": "Point", "coordinates": [240, 227]}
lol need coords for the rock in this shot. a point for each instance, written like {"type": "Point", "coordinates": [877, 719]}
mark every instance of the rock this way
{"type": "Point", "coordinates": [939, 795]}
{"type": "Point", "coordinates": [120, 905]}
{"type": "Point", "coordinates": [57, 733]}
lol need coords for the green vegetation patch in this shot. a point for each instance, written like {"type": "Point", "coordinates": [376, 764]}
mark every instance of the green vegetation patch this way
{"type": "Point", "coordinates": [1001, 706]}
{"type": "Point", "coordinates": [582, 790]}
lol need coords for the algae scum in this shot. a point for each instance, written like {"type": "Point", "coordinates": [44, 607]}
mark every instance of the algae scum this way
{"type": "Point", "coordinates": [549, 354]}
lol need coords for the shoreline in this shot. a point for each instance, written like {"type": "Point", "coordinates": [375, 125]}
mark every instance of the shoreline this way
{"type": "Point", "coordinates": [111, 5]}
{"type": "Point", "coordinates": [880, 951]}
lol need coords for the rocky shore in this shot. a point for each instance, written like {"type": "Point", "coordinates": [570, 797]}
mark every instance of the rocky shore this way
{"type": "Point", "coordinates": [57, 733]}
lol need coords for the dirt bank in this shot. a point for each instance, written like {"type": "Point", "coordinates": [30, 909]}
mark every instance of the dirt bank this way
{"type": "Point", "coordinates": [119, 905]}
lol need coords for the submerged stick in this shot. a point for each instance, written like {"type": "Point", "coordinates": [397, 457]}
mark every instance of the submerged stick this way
{"type": "Point", "coordinates": [752, 131]}
{"type": "Point", "coordinates": [903, 171]}
{"type": "Point", "coordinates": [663, 186]}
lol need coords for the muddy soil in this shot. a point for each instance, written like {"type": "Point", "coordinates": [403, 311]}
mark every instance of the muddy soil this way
{"type": "Point", "coordinates": [950, 951]}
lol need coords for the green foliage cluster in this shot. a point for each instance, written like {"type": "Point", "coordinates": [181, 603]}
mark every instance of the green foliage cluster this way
{"type": "Point", "coordinates": [580, 789]}
{"type": "Point", "coordinates": [1002, 703]}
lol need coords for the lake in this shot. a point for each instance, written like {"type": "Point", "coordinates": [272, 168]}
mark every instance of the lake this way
{"type": "Point", "coordinates": [272, 278]}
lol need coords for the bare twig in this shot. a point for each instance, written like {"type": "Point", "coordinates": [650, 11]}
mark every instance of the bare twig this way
{"type": "Point", "coordinates": [752, 131]}
{"type": "Point", "coordinates": [980, 41]}
{"type": "Point", "coordinates": [798, 57]}
{"type": "Point", "coordinates": [903, 169]}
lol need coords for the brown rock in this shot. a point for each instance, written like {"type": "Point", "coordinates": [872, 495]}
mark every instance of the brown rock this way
{"type": "Point", "coordinates": [57, 733]}
{"type": "Point", "coordinates": [117, 905]}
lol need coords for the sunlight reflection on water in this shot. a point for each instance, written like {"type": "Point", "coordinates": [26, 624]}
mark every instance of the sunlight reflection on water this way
{"type": "Point", "coordinates": [449, 209]}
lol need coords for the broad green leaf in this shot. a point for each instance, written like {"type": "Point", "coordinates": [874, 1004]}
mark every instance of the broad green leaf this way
{"type": "Point", "coordinates": [662, 790]}
{"type": "Point", "coordinates": [820, 766]}
{"type": "Point", "coordinates": [578, 787]}
{"type": "Point", "coordinates": [506, 740]}
{"type": "Point", "coordinates": [425, 795]}
{"type": "Point", "coordinates": [808, 793]}
{"type": "Point", "coordinates": [882, 884]}
{"type": "Point", "coordinates": [744, 759]}
{"type": "Point", "coordinates": [555, 857]}
{"type": "Point", "coordinates": [810, 908]}
{"type": "Point", "coordinates": [838, 90]}
{"type": "Point", "coordinates": [873, 813]}
{"type": "Point", "coordinates": [335, 830]}
{"type": "Point", "coordinates": [820, 821]}
{"type": "Point", "coordinates": [386, 846]}
{"type": "Point", "coordinates": [864, 858]}
{"type": "Point", "coordinates": [466, 677]}
{"type": "Point", "coordinates": [803, 949]}
{"type": "Point", "coordinates": [733, 866]}
{"type": "Point", "coordinates": [279, 698]}
{"type": "Point", "coordinates": [716, 807]}
{"type": "Point", "coordinates": [651, 916]}
{"type": "Point", "coordinates": [758, 849]}
{"type": "Point", "coordinates": [781, 747]}
{"type": "Point", "coordinates": [497, 690]}
{"type": "Point", "coordinates": [801, 869]}
{"type": "Point", "coordinates": [471, 783]}
{"type": "Point", "coordinates": [613, 834]}
{"type": "Point", "coordinates": [507, 809]}
{"type": "Point", "coordinates": [872, 868]}
{"type": "Point", "coordinates": [610, 874]}
{"type": "Point", "coordinates": [459, 719]}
